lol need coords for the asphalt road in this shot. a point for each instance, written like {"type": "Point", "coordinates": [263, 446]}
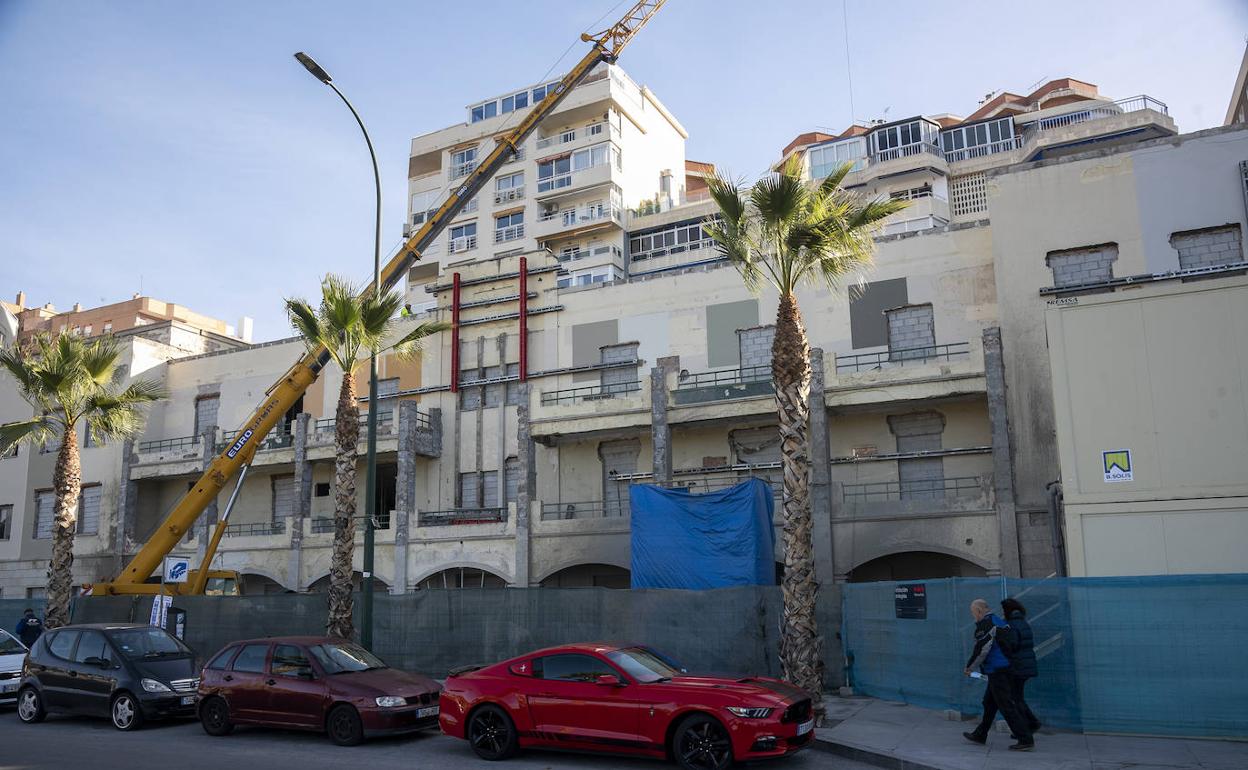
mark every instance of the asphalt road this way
{"type": "Point", "coordinates": [80, 743]}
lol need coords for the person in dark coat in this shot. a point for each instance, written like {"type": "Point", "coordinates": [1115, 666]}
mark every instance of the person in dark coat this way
{"type": "Point", "coordinates": [988, 657]}
{"type": "Point", "coordinates": [29, 627]}
{"type": "Point", "coordinates": [1020, 649]}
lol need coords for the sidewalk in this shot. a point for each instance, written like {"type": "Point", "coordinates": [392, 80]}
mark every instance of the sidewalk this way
{"type": "Point", "coordinates": [901, 737]}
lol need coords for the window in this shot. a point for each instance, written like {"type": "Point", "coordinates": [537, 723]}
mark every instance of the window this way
{"type": "Point", "coordinates": [1093, 264]}
{"type": "Point", "coordinates": [513, 387]}
{"type": "Point", "coordinates": [978, 139]}
{"type": "Point", "coordinates": [108, 327]}
{"type": "Point", "coordinates": [509, 227]}
{"type": "Point", "coordinates": [511, 480]}
{"type": "Point", "coordinates": [911, 333]}
{"type": "Point", "coordinates": [62, 645]}
{"type": "Point", "coordinates": [828, 157]}
{"type": "Point", "coordinates": [587, 277]}
{"type": "Point", "coordinates": [469, 490]}
{"type": "Point", "coordinates": [289, 660]}
{"type": "Point", "coordinates": [489, 489]}
{"type": "Point", "coordinates": [554, 174]}
{"type": "Point", "coordinates": [484, 111]}
{"type": "Point", "coordinates": [322, 489]}
{"type": "Point", "coordinates": [509, 187]}
{"type": "Point", "coordinates": [912, 193]}
{"type": "Point", "coordinates": [515, 101]}
{"type": "Point", "coordinates": [463, 237]}
{"type": "Point", "coordinates": [6, 521]}
{"type": "Point", "coordinates": [251, 658]}
{"type": "Point", "coordinates": [222, 660]}
{"type": "Point", "coordinates": [86, 330]}
{"type": "Point", "coordinates": [675, 239]}
{"type": "Point", "coordinates": [89, 510]}
{"type": "Point", "coordinates": [45, 503]}
{"type": "Point", "coordinates": [463, 162]}
{"type": "Point", "coordinates": [424, 204]}
{"type": "Point", "coordinates": [888, 141]}
{"type": "Point", "coordinates": [388, 388]}
{"type": "Point", "coordinates": [574, 668]}
{"type": "Point", "coordinates": [206, 409]}
{"type": "Point", "coordinates": [540, 92]}
{"type": "Point", "coordinates": [53, 444]}
{"type": "Point", "coordinates": [92, 644]}
{"type": "Point", "coordinates": [283, 496]}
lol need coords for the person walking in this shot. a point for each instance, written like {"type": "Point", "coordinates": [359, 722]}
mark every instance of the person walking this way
{"type": "Point", "coordinates": [988, 657]}
{"type": "Point", "coordinates": [1022, 654]}
{"type": "Point", "coordinates": [29, 627]}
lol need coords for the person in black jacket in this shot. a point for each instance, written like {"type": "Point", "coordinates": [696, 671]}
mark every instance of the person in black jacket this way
{"type": "Point", "coordinates": [1020, 649]}
{"type": "Point", "coordinates": [988, 657]}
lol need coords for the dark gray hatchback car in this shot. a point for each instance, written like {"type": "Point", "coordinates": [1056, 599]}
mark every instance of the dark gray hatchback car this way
{"type": "Point", "coordinates": [126, 672]}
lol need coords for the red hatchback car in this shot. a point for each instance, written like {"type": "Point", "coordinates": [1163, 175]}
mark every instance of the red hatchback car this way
{"type": "Point", "coordinates": [313, 683]}
{"type": "Point", "coordinates": [623, 699]}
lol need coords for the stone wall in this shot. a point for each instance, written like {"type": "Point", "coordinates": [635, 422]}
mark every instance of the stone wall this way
{"type": "Point", "coordinates": [1210, 247]}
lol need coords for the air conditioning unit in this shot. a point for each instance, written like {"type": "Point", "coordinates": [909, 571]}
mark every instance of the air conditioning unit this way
{"type": "Point", "coordinates": [407, 231]}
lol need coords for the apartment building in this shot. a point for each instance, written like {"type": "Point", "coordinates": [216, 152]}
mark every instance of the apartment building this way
{"type": "Point", "coordinates": [139, 311]}
{"type": "Point", "coordinates": [600, 341]}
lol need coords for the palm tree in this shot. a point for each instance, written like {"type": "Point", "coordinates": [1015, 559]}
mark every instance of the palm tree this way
{"type": "Point", "coordinates": [69, 381]}
{"type": "Point", "coordinates": [787, 233]}
{"type": "Point", "coordinates": [351, 326]}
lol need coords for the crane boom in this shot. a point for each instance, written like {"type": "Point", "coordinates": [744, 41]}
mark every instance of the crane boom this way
{"type": "Point", "coordinates": [283, 395]}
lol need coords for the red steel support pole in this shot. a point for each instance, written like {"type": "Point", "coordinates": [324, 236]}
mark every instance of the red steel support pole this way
{"type": "Point", "coordinates": [524, 319]}
{"type": "Point", "coordinates": [455, 333]}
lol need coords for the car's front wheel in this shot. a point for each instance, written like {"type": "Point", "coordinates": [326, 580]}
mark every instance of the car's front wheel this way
{"type": "Point", "coordinates": [344, 726]}
{"type": "Point", "coordinates": [214, 715]}
{"type": "Point", "coordinates": [125, 712]}
{"type": "Point", "coordinates": [491, 733]}
{"type": "Point", "coordinates": [702, 743]}
{"type": "Point", "coordinates": [30, 706]}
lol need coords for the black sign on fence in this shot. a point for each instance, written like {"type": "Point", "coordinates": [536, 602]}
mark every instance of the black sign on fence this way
{"type": "Point", "coordinates": [910, 601]}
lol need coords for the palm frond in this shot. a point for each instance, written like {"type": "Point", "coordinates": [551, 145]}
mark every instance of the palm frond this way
{"type": "Point", "coordinates": [408, 347]}
{"type": "Point", "coordinates": [99, 360]}
{"type": "Point", "coordinates": [34, 431]}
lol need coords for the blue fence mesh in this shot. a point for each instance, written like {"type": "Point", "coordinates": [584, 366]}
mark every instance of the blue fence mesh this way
{"type": "Point", "coordinates": [1146, 655]}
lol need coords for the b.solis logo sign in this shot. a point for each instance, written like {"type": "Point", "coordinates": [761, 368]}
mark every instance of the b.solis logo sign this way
{"type": "Point", "coordinates": [1117, 465]}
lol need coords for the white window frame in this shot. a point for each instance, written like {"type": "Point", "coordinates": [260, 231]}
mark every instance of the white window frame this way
{"type": "Point", "coordinates": [463, 162]}
{"type": "Point", "coordinates": [462, 238]}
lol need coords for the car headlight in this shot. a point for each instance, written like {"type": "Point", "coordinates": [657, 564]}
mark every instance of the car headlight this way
{"type": "Point", "coordinates": [391, 701]}
{"type": "Point", "coordinates": [151, 685]}
{"type": "Point", "coordinates": [749, 712]}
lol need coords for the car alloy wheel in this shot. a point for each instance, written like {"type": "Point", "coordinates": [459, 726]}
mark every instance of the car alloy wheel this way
{"type": "Point", "coordinates": [702, 743]}
{"type": "Point", "coordinates": [30, 706]}
{"type": "Point", "coordinates": [125, 712]}
{"type": "Point", "coordinates": [344, 726]}
{"type": "Point", "coordinates": [214, 715]}
{"type": "Point", "coordinates": [491, 734]}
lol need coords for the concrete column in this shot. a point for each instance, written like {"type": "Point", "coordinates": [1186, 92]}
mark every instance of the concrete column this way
{"type": "Point", "coordinates": [525, 489]}
{"type": "Point", "coordinates": [303, 501]}
{"type": "Point", "coordinates": [660, 431]}
{"type": "Point", "coordinates": [1002, 453]}
{"type": "Point", "coordinates": [123, 526]}
{"type": "Point", "coordinates": [405, 493]}
{"type": "Point", "coordinates": [820, 472]}
{"type": "Point", "coordinates": [208, 440]}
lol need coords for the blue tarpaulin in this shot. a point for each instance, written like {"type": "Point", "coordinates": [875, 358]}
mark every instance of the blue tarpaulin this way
{"type": "Point", "coordinates": [714, 540]}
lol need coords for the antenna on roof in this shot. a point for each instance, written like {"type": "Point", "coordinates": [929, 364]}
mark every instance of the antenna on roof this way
{"type": "Point", "coordinates": [988, 96]}
{"type": "Point", "coordinates": [1037, 84]}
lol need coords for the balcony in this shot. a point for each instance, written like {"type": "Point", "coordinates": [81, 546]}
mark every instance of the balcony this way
{"type": "Point", "coordinates": [256, 529]}
{"type": "Point", "coordinates": [461, 517]}
{"type": "Point", "coordinates": [594, 509]}
{"type": "Point", "coordinates": [983, 150]}
{"type": "Point", "coordinates": [461, 170]}
{"type": "Point", "coordinates": [464, 243]}
{"type": "Point", "coordinates": [321, 526]}
{"type": "Point", "coordinates": [867, 362]}
{"type": "Point", "coordinates": [323, 429]}
{"type": "Point", "coordinates": [554, 222]}
{"type": "Point", "coordinates": [906, 158]}
{"type": "Point", "coordinates": [573, 182]}
{"type": "Point", "coordinates": [919, 489]}
{"type": "Point", "coordinates": [746, 382]}
{"type": "Point", "coordinates": [277, 439]}
{"type": "Point", "coordinates": [1102, 123]}
{"type": "Point", "coordinates": [172, 448]}
{"type": "Point", "coordinates": [509, 233]}
{"type": "Point", "coordinates": [594, 132]}
{"type": "Point", "coordinates": [589, 393]}
{"type": "Point", "coordinates": [508, 195]}
{"type": "Point", "coordinates": [888, 500]}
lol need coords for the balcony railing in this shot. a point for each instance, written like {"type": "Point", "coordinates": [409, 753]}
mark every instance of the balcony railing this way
{"type": "Point", "coordinates": [509, 233]}
{"type": "Point", "coordinates": [461, 516]}
{"type": "Point", "coordinates": [979, 151]}
{"type": "Point", "coordinates": [276, 439]}
{"type": "Point", "coordinates": [576, 217]}
{"type": "Point", "coordinates": [906, 150]}
{"type": "Point", "coordinates": [745, 374]}
{"type": "Point", "coordinates": [462, 244]}
{"type": "Point", "coordinates": [918, 489]}
{"type": "Point", "coordinates": [182, 444]}
{"type": "Point", "coordinates": [463, 169]}
{"type": "Point", "coordinates": [384, 420]}
{"type": "Point", "coordinates": [714, 482]}
{"type": "Point", "coordinates": [554, 182]}
{"type": "Point", "coordinates": [885, 358]}
{"type": "Point", "coordinates": [510, 194]}
{"type": "Point", "coordinates": [321, 526]}
{"type": "Point", "coordinates": [561, 138]}
{"type": "Point", "coordinates": [593, 509]}
{"type": "Point", "coordinates": [1120, 107]}
{"type": "Point", "coordinates": [255, 528]}
{"type": "Point", "coordinates": [589, 393]}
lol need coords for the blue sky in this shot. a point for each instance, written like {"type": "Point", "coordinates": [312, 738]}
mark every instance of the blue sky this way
{"type": "Point", "coordinates": [177, 148]}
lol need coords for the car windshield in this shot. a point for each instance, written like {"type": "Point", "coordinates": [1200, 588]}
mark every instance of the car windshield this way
{"type": "Point", "coordinates": [643, 665]}
{"type": "Point", "coordinates": [139, 643]}
{"type": "Point", "coordinates": [339, 658]}
{"type": "Point", "coordinates": [10, 646]}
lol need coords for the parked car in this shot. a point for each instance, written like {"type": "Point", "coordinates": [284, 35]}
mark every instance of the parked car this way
{"type": "Point", "coordinates": [12, 654]}
{"type": "Point", "coordinates": [623, 699]}
{"type": "Point", "coordinates": [127, 672]}
{"type": "Point", "coordinates": [313, 683]}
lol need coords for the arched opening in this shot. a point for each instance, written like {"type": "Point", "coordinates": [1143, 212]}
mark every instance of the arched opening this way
{"type": "Point", "coordinates": [257, 585]}
{"type": "Point", "coordinates": [589, 575]}
{"type": "Point", "coordinates": [357, 580]}
{"type": "Point", "coordinates": [463, 577]}
{"type": "Point", "coordinates": [915, 565]}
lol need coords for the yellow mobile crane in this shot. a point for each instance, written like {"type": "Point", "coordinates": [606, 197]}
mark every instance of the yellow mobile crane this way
{"type": "Point", "coordinates": [282, 396]}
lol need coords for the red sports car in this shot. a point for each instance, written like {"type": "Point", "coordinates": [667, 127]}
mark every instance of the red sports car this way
{"type": "Point", "coordinates": [623, 699]}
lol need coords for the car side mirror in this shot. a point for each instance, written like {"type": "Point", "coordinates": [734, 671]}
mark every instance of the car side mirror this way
{"type": "Point", "coordinates": [609, 680]}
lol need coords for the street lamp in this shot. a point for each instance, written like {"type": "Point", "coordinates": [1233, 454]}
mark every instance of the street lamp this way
{"type": "Point", "coordinates": [370, 479]}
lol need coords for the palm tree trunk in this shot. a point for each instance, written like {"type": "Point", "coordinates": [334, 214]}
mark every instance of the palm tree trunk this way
{"type": "Point", "coordinates": [799, 643]}
{"type": "Point", "coordinates": [346, 444]}
{"type": "Point", "coordinates": [67, 484]}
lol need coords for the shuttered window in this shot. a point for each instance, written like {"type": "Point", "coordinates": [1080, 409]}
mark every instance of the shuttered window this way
{"type": "Point", "coordinates": [489, 489]}
{"type": "Point", "coordinates": [283, 497]}
{"type": "Point", "coordinates": [511, 480]}
{"type": "Point", "coordinates": [45, 503]}
{"type": "Point", "coordinates": [206, 409]}
{"type": "Point", "coordinates": [469, 490]}
{"type": "Point", "coordinates": [89, 510]}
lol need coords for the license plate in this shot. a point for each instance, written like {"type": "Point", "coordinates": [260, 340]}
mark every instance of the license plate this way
{"type": "Point", "coordinates": [428, 711]}
{"type": "Point", "coordinates": [8, 686]}
{"type": "Point", "coordinates": [805, 727]}
{"type": "Point", "coordinates": [188, 700]}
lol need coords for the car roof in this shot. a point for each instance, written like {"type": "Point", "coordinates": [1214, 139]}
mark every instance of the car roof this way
{"type": "Point", "coordinates": [104, 626]}
{"type": "Point", "coordinates": [305, 640]}
{"type": "Point", "coordinates": [598, 647]}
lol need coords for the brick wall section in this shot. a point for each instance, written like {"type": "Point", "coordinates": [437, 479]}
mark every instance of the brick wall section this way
{"type": "Point", "coordinates": [1084, 265]}
{"type": "Point", "coordinates": [756, 345]}
{"type": "Point", "coordinates": [617, 379]}
{"type": "Point", "coordinates": [911, 328]}
{"type": "Point", "coordinates": [1210, 247]}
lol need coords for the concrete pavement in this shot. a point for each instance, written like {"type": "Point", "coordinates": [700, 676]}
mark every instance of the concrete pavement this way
{"type": "Point", "coordinates": [895, 735]}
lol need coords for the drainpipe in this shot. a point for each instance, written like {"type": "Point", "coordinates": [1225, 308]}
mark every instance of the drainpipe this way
{"type": "Point", "coordinates": [1055, 527]}
{"type": "Point", "coordinates": [455, 333]}
{"type": "Point", "coordinates": [524, 319]}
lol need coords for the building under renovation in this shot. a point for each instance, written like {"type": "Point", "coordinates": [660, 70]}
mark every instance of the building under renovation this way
{"type": "Point", "coordinates": [601, 341]}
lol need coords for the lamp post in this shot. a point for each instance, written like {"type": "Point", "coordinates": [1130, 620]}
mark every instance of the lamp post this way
{"type": "Point", "coordinates": [370, 479]}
